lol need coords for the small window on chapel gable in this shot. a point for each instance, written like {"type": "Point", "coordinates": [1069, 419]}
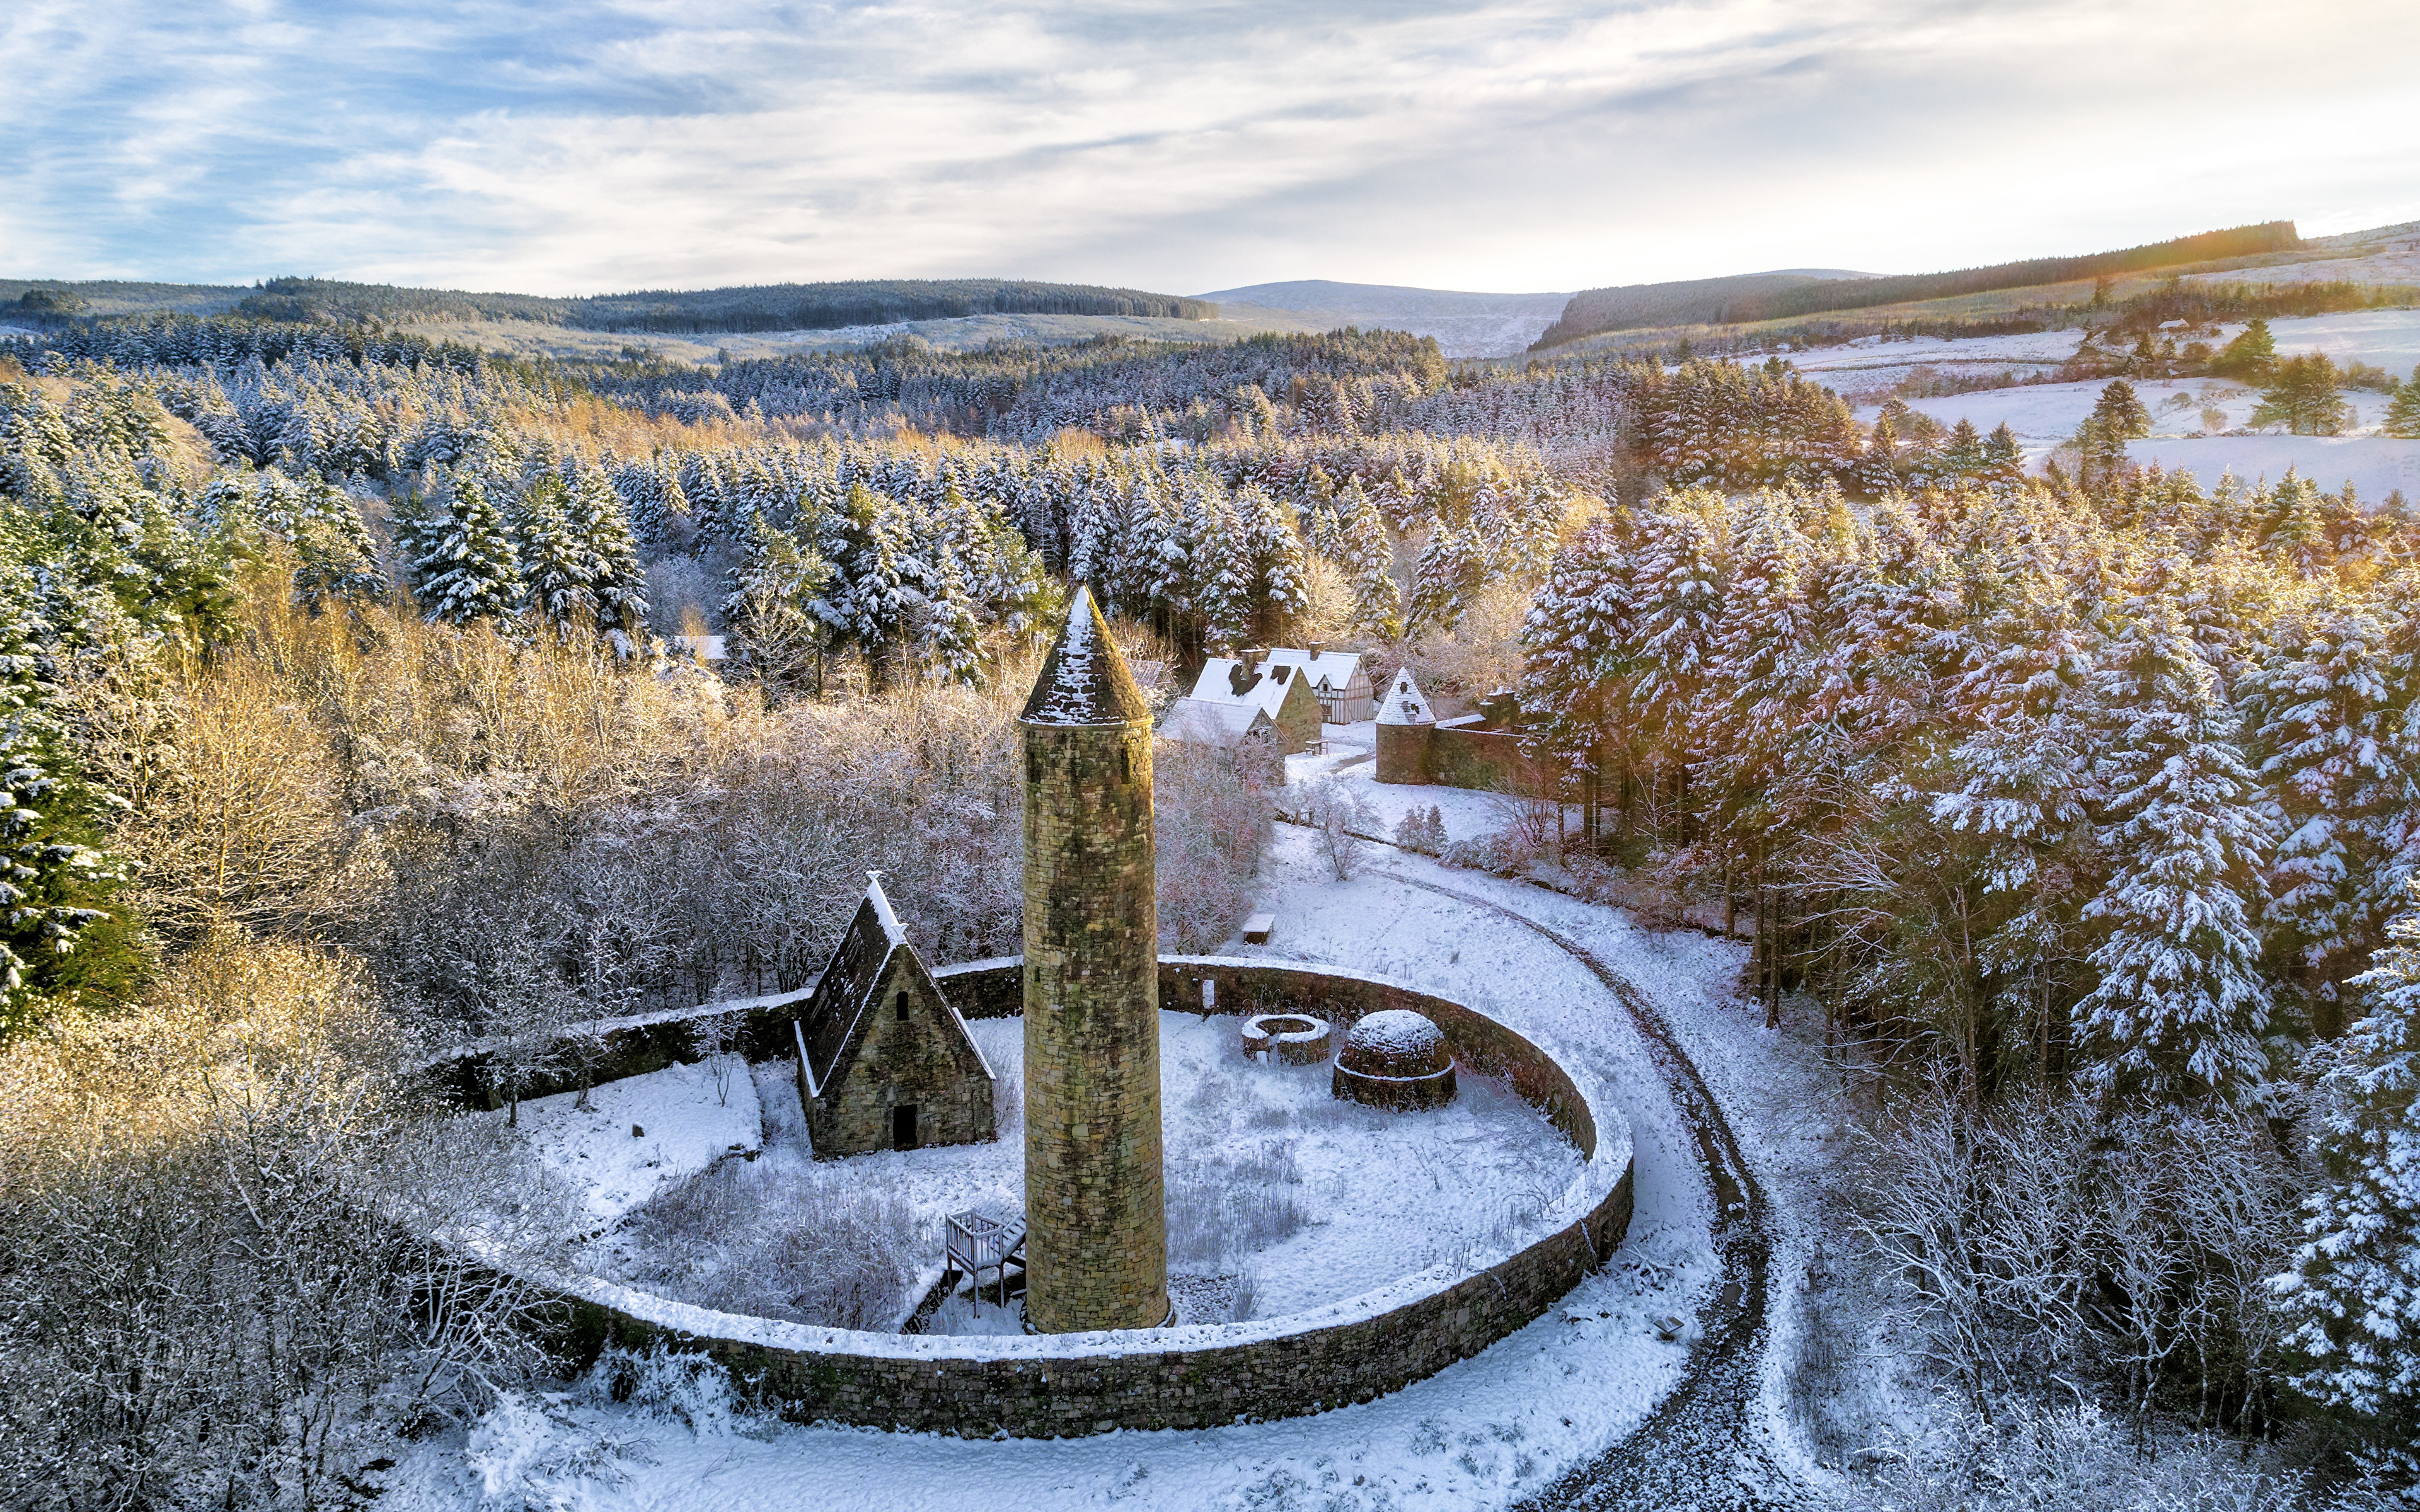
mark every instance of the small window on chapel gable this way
{"type": "Point", "coordinates": [899, 1008]}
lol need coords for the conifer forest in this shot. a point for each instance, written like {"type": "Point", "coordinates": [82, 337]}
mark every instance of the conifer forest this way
{"type": "Point", "coordinates": [370, 694]}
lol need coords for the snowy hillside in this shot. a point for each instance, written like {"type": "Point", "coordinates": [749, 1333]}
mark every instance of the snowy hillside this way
{"type": "Point", "coordinates": [2382, 254]}
{"type": "Point", "coordinates": [1463, 324]}
{"type": "Point", "coordinates": [2189, 416]}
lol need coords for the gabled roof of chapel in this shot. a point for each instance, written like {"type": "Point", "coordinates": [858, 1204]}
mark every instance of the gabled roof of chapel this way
{"type": "Point", "coordinates": [837, 1013]}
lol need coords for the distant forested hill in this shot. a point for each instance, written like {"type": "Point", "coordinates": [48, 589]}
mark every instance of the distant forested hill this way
{"type": "Point", "coordinates": [758, 307]}
{"type": "Point", "coordinates": [1686, 301]}
{"type": "Point", "coordinates": [869, 303]}
{"type": "Point", "coordinates": [38, 298]}
{"type": "Point", "coordinates": [1780, 296]}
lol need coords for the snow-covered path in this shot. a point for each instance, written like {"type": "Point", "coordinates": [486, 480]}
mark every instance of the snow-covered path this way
{"type": "Point", "coordinates": [1707, 1446]}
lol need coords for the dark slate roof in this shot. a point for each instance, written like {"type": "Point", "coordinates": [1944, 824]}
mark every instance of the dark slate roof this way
{"type": "Point", "coordinates": [1085, 681]}
{"type": "Point", "coordinates": [829, 1023]}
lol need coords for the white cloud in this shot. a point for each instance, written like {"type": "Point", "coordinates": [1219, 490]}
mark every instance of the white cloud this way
{"type": "Point", "coordinates": [1174, 146]}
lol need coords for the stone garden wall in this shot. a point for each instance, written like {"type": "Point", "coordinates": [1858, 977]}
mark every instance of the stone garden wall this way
{"type": "Point", "coordinates": [1195, 1376]}
{"type": "Point", "coordinates": [1455, 756]}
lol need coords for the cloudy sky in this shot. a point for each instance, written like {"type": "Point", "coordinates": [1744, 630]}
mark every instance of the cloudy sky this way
{"type": "Point", "coordinates": [1506, 144]}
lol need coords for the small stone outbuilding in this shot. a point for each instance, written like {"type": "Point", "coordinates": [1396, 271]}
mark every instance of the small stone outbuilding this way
{"type": "Point", "coordinates": [1407, 724]}
{"type": "Point", "coordinates": [884, 1062]}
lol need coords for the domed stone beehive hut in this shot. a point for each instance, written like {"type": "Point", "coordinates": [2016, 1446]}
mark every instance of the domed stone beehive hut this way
{"type": "Point", "coordinates": [1395, 1059]}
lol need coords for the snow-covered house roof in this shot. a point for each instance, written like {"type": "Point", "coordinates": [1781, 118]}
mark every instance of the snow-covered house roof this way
{"type": "Point", "coordinates": [1335, 667]}
{"type": "Point", "coordinates": [835, 1018]}
{"type": "Point", "coordinates": [1334, 679]}
{"type": "Point", "coordinates": [1231, 680]}
{"type": "Point", "coordinates": [1204, 722]}
{"type": "Point", "coordinates": [1405, 703]}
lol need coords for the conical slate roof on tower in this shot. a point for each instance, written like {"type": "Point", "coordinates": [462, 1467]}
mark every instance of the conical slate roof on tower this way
{"type": "Point", "coordinates": [1085, 682]}
{"type": "Point", "coordinates": [1405, 703]}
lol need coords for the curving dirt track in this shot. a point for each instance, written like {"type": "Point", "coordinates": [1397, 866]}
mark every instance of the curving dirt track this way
{"type": "Point", "coordinates": [1705, 1448]}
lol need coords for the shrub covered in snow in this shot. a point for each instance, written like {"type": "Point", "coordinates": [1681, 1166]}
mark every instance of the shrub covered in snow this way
{"type": "Point", "coordinates": [824, 1247]}
{"type": "Point", "coordinates": [1422, 833]}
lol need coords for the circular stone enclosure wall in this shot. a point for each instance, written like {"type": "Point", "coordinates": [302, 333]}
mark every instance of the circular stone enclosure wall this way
{"type": "Point", "coordinates": [1183, 1377]}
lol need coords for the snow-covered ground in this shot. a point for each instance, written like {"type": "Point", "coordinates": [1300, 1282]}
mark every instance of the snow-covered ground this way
{"type": "Point", "coordinates": [2382, 254]}
{"type": "Point", "coordinates": [1875, 363]}
{"type": "Point", "coordinates": [1350, 759]}
{"type": "Point", "coordinates": [1268, 1175]}
{"type": "Point", "coordinates": [2382, 338]}
{"type": "Point", "coordinates": [2043, 415]}
{"type": "Point", "coordinates": [1480, 1433]}
{"type": "Point", "coordinates": [642, 1133]}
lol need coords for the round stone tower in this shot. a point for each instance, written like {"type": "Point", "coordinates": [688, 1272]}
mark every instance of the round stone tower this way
{"type": "Point", "coordinates": [1096, 1209]}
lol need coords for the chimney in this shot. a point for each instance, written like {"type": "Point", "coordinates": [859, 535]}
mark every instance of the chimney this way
{"type": "Point", "coordinates": [1317, 649]}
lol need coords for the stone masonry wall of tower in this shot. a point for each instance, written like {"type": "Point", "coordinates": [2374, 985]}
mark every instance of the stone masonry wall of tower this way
{"type": "Point", "coordinates": [1096, 1227]}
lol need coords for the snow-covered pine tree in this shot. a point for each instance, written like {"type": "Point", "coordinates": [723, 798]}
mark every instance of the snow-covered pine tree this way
{"type": "Point", "coordinates": [1367, 559]}
{"type": "Point", "coordinates": [2251, 354]}
{"type": "Point", "coordinates": [1756, 662]}
{"type": "Point", "coordinates": [556, 574]}
{"type": "Point", "coordinates": [339, 558]}
{"type": "Point", "coordinates": [2182, 1003]}
{"type": "Point", "coordinates": [1880, 468]}
{"type": "Point", "coordinates": [617, 583]}
{"type": "Point", "coordinates": [2326, 712]}
{"type": "Point", "coordinates": [865, 601]}
{"type": "Point", "coordinates": [1280, 584]}
{"type": "Point", "coordinates": [57, 932]}
{"type": "Point", "coordinates": [2403, 413]}
{"type": "Point", "coordinates": [1453, 566]}
{"type": "Point", "coordinates": [1961, 455]}
{"type": "Point", "coordinates": [467, 569]}
{"type": "Point", "coordinates": [770, 605]}
{"type": "Point", "coordinates": [651, 494]}
{"type": "Point", "coordinates": [2355, 1285]}
{"type": "Point", "coordinates": [1680, 597]}
{"type": "Point", "coordinates": [1574, 682]}
{"type": "Point", "coordinates": [1223, 576]}
{"type": "Point", "coordinates": [2306, 395]}
{"type": "Point", "coordinates": [2018, 786]}
{"type": "Point", "coordinates": [2004, 458]}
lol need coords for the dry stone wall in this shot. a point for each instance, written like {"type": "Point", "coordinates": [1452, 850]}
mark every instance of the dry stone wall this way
{"type": "Point", "coordinates": [1177, 1379]}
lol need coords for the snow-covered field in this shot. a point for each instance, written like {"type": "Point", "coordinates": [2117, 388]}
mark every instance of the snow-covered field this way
{"type": "Point", "coordinates": [642, 1135]}
{"type": "Point", "coordinates": [2383, 254]}
{"type": "Point", "coordinates": [1268, 1175]}
{"type": "Point", "coordinates": [2043, 415]}
{"type": "Point", "coordinates": [2382, 338]}
{"type": "Point", "coordinates": [1480, 1433]}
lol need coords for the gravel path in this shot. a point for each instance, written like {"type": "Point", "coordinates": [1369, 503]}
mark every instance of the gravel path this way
{"type": "Point", "coordinates": [1705, 1448]}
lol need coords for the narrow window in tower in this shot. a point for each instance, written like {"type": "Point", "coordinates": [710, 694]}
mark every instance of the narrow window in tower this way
{"type": "Point", "coordinates": [1125, 765]}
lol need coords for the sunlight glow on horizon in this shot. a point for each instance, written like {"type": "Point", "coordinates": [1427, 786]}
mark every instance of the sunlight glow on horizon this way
{"type": "Point", "coordinates": [1484, 144]}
